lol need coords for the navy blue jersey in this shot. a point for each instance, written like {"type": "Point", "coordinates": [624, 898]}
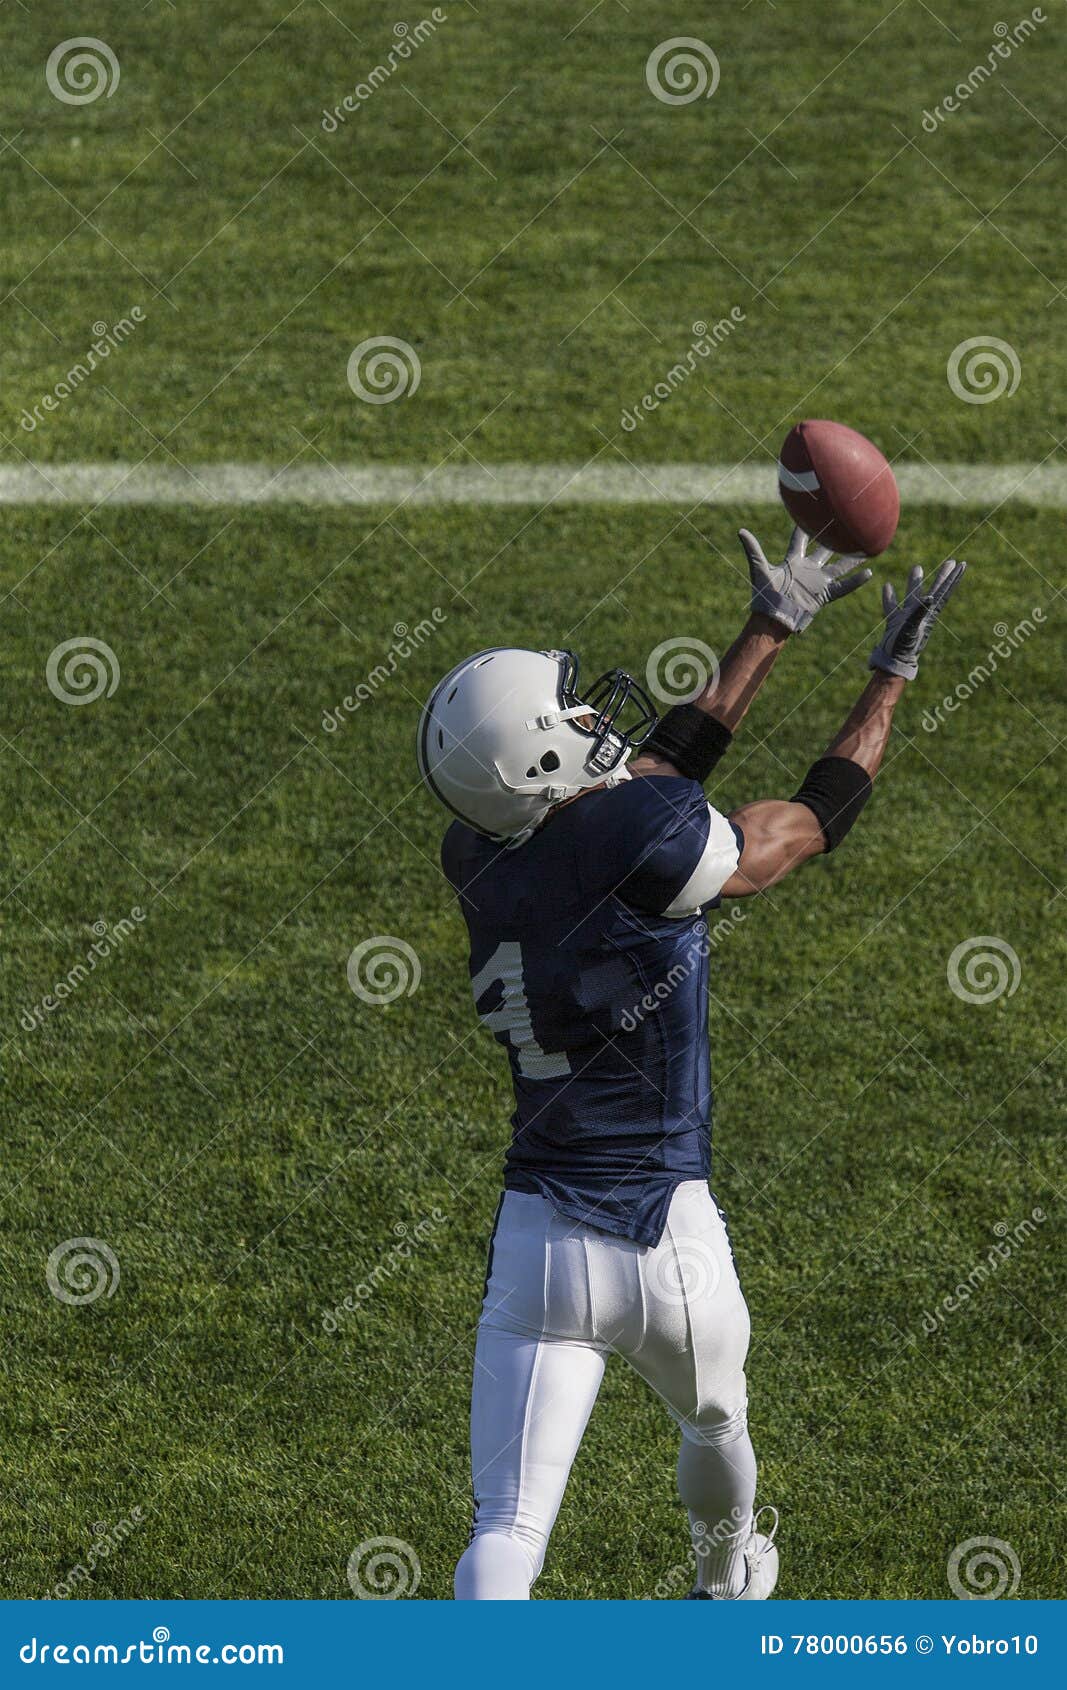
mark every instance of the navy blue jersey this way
{"type": "Point", "coordinates": [599, 995]}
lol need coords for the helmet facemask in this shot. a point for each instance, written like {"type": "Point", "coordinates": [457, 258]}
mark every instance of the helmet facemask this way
{"type": "Point", "coordinates": [614, 713]}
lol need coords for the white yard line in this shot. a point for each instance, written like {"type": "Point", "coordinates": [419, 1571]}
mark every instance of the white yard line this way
{"type": "Point", "coordinates": [973, 485]}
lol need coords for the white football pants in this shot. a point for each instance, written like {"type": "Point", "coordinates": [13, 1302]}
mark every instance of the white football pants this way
{"type": "Point", "coordinates": [561, 1297]}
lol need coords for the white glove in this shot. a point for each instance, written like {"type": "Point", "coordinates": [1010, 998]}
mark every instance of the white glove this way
{"type": "Point", "coordinates": [791, 592]}
{"type": "Point", "coordinates": [908, 626]}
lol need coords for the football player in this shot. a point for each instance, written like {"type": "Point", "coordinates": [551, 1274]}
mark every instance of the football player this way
{"type": "Point", "coordinates": [585, 856]}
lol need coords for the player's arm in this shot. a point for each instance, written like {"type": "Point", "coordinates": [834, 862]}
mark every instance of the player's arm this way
{"type": "Point", "coordinates": [780, 835]}
{"type": "Point", "coordinates": [691, 738]}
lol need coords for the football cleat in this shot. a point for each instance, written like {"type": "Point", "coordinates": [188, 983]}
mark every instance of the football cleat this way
{"type": "Point", "coordinates": [761, 1566]}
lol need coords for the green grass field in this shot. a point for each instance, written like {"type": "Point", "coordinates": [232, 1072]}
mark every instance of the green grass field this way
{"type": "Point", "coordinates": [254, 1143]}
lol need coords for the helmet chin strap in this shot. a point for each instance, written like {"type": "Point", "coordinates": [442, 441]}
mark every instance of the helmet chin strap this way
{"type": "Point", "coordinates": [553, 718]}
{"type": "Point", "coordinates": [615, 778]}
{"type": "Point", "coordinates": [554, 793]}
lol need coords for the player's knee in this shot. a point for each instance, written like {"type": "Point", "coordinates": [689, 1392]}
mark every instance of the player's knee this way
{"type": "Point", "coordinates": [495, 1566]}
{"type": "Point", "coordinates": [716, 1421]}
{"type": "Point", "coordinates": [720, 1385]}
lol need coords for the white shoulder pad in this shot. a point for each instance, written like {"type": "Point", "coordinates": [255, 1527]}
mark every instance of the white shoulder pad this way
{"type": "Point", "coordinates": [718, 862]}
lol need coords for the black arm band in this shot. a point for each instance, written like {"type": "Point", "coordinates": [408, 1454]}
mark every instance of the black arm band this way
{"type": "Point", "coordinates": [690, 739]}
{"type": "Point", "coordinates": [835, 790]}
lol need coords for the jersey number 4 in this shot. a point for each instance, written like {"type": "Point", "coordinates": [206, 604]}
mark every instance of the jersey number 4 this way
{"type": "Point", "coordinates": [513, 1016]}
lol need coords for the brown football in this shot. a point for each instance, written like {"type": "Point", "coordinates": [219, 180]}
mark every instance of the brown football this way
{"type": "Point", "coordinates": [838, 487]}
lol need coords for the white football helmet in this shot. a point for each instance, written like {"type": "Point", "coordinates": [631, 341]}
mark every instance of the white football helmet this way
{"type": "Point", "coordinates": [506, 736]}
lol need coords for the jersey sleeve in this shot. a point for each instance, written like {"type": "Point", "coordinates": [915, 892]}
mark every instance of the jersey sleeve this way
{"type": "Point", "coordinates": [676, 852]}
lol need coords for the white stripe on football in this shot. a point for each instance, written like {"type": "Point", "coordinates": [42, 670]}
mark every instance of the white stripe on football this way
{"type": "Point", "coordinates": [801, 481]}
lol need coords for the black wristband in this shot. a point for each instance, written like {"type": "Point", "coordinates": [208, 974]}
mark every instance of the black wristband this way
{"type": "Point", "coordinates": [835, 790]}
{"type": "Point", "coordinates": [690, 739]}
